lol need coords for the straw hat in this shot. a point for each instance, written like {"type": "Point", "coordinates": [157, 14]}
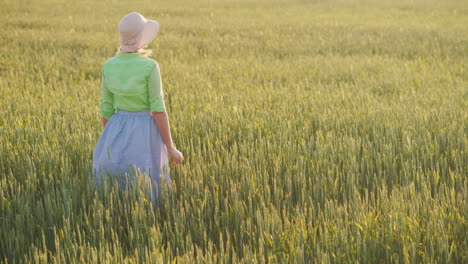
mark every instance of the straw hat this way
{"type": "Point", "coordinates": [136, 32]}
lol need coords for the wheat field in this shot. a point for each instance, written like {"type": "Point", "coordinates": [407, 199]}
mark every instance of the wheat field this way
{"type": "Point", "coordinates": [314, 131]}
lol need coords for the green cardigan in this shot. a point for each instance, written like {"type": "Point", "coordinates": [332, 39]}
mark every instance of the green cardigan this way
{"type": "Point", "coordinates": [130, 82]}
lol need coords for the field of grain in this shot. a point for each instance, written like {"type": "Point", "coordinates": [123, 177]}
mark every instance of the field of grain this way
{"type": "Point", "coordinates": [314, 132]}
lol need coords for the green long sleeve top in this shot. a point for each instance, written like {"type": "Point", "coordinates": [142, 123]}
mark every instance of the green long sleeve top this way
{"type": "Point", "coordinates": [132, 82]}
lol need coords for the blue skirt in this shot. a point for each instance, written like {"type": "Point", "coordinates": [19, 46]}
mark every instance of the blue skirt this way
{"type": "Point", "coordinates": [130, 147]}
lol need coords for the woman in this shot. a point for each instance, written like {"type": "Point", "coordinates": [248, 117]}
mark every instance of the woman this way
{"type": "Point", "coordinates": [136, 136]}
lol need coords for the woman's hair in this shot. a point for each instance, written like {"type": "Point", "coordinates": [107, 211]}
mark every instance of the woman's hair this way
{"type": "Point", "coordinates": [142, 52]}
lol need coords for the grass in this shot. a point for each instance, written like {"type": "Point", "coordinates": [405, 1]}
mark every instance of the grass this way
{"type": "Point", "coordinates": [314, 132]}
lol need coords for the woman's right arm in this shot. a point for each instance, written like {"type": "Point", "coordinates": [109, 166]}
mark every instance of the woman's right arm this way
{"type": "Point", "coordinates": [158, 111]}
{"type": "Point", "coordinates": [162, 121]}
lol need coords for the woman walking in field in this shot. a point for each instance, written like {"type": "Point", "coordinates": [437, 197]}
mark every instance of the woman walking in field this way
{"type": "Point", "coordinates": [136, 136]}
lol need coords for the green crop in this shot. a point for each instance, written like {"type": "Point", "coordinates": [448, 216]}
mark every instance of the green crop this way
{"type": "Point", "coordinates": [313, 131]}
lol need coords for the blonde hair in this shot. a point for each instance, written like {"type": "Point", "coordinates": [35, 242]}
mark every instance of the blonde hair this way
{"type": "Point", "coordinates": [142, 52]}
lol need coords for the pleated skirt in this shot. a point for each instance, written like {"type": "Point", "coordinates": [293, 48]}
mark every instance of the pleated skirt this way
{"type": "Point", "coordinates": [130, 149]}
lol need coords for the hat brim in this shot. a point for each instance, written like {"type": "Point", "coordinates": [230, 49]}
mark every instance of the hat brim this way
{"type": "Point", "coordinates": [149, 32]}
